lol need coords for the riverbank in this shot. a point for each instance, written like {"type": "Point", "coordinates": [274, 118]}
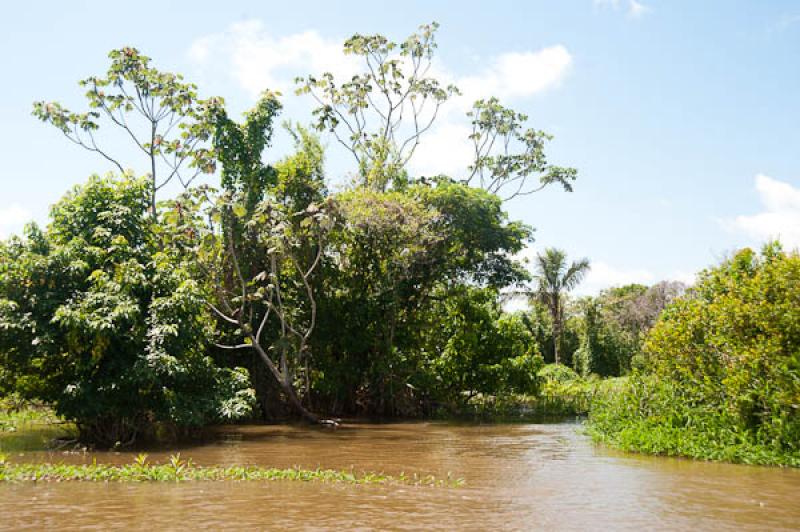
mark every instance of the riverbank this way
{"type": "Point", "coordinates": [614, 414]}
{"type": "Point", "coordinates": [652, 417]}
{"type": "Point", "coordinates": [558, 399]}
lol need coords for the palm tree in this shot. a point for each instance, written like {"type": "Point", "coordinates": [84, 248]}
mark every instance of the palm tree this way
{"type": "Point", "coordinates": [555, 278]}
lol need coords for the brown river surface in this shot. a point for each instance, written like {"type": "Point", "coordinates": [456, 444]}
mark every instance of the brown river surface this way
{"type": "Point", "coordinates": [518, 477]}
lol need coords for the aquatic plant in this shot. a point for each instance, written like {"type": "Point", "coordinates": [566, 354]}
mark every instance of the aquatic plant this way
{"type": "Point", "coordinates": [177, 469]}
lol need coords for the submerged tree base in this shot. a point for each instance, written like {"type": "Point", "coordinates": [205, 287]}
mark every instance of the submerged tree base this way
{"type": "Point", "coordinates": [177, 470]}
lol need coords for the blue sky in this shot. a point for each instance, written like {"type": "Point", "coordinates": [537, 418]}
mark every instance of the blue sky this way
{"type": "Point", "coordinates": [681, 116]}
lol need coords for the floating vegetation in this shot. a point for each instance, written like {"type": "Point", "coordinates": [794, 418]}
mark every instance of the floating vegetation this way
{"type": "Point", "coordinates": [178, 470]}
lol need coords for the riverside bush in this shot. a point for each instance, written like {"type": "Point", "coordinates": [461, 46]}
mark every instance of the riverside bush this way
{"type": "Point", "coordinates": [101, 319]}
{"type": "Point", "coordinates": [722, 369]}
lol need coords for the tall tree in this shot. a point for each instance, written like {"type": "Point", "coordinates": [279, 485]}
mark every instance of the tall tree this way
{"type": "Point", "coordinates": [380, 114]}
{"type": "Point", "coordinates": [159, 112]}
{"type": "Point", "coordinates": [507, 155]}
{"type": "Point", "coordinates": [555, 278]}
{"type": "Point", "coordinates": [262, 241]}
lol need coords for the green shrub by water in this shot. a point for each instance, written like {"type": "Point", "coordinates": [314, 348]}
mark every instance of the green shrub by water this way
{"type": "Point", "coordinates": [722, 378]}
{"type": "Point", "coordinates": [656, 417]}
{"type": "Point", "coordinates": [562, 394]}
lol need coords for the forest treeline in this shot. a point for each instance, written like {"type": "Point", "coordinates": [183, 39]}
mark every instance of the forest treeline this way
{"type": "Point", "coordinates": [272, 292]}
{"type": "Point", "coordinates": [269, 291]}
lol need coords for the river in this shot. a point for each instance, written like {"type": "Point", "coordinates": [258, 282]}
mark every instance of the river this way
{"type": "Point", "coordinates": [518, 477]}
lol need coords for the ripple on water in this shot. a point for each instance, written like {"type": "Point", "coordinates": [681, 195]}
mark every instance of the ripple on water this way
{"type": "Point", "coordinates": [538, 476]}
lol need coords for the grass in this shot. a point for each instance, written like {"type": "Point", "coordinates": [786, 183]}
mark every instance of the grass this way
{"type": "Point", "coordinates": [178, 470]}
{"type": "Point", "coordinates": [557, 400]}
{"type": "Point", "coordinates": [26, 426]}
{"type": "Point", "coordinates": [647, 416]}
{"type": "Point", "coordinates": [648, 437]}
{"type": "Point", "coordinates": [16, 415]}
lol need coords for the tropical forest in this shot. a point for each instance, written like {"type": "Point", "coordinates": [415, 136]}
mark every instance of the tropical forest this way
{"type": "Point", "coordinates": [262, 314]}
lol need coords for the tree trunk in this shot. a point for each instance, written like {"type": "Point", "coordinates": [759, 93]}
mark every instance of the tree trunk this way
{"type": "Point", "coordinates": [286, 385]}
{"type": "Point", "coordinates": [309, 416]}
{"type": "Point", "coordinates": [557, 333]}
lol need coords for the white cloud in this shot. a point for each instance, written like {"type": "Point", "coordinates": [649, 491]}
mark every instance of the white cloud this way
{"type": "Point", "coordinates": [518, 74]}
{"type": "Point", "coordinates": [780, 217]}
{"type": "Point", "coordinates": [687, 278]}
{"type": "Point", "coordinates": [610, 4]}
{"type": "Point", "coordinates": [604, 275]}
{"type": "Point", "coordinates": [445, 150]}
{"type": "Point", "coordinates": [258, 60]}
{"type": "Point", "coordinates": [12, 218]}
{"type": "Point", "coordinates": [636, 9]}
{"type": "Point", "coordinates": [510, 77]}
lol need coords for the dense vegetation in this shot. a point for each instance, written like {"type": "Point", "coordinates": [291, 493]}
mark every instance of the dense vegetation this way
{"type": "Point", "coordinates": [721, 369]}
{"type": "Point", "coordinates": [275, 293]}
{"type": "Point", "coordinates": [133, 314]}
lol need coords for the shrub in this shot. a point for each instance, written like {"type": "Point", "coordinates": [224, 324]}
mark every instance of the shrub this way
{"type": "Point", "coordinates": [477, 349]}
{"type": "Point", "coordinates": [558, 373]}
{"type": "Point", "coordinates": [722, 369]}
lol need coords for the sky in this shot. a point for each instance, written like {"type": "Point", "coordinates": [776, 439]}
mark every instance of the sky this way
{"type": "Point", "coordinates": [680, 116]}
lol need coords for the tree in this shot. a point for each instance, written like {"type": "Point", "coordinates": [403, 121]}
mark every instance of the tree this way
{"type": "Point", "coordinates": [380, 115]}
{"type": "Point", "coordinates": [157, 110]}
{"type": "Point", "coordinates": [477, 348]}
{"type": "Point", "coordinates": [506, 155]}
{"type": "Point", "coordinates": [555, 278]}
{"type": "Point", "coordinates": [391, 254]}
{"type": "Point", "coordinates": [101, 317]}
{"type": "Point", "coordinates": [283, 291]}
{"type": "Point", "coordinates": [261, 242]}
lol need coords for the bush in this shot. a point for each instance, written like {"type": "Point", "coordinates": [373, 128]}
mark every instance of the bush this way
{"type": "Point", "coordinates": [558, 373]}
{"type": "Point", "coordinates": [722, 369]}
{"type": "Point", "coordinates": [100, 318]}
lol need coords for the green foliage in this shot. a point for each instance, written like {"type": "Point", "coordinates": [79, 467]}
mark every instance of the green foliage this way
{"type": "Point", "coordinates": [478, 238]}
{"type": "Point", "coordinates": [393, 256]}
{"type": "Point", "coordinates": [261, 242]}
{"type": "Point", "coordinates": [100, 317]}
{"type": "Point", "coordinates": [239, 148]}
{"type": "Point", "coordinates": [723, 369]}
{"type": "Point", "coordinates": [179, 470]}
{"type": "Point", "coordinates": [558, 373]}
{"type": "Point", "coordinates": [378, 299]}
{"type": "Point", "coordinates": [477, 349]}
{"type": "Point", "coordinates": [158, 111]}
{"type": "Point", "coordinates": [561, 393]}
{"type": "Point", "coordinates": [366, 113]}
{"type": "Point", "coordinates": [16, 414]}
{"type": "Point", "coordinates": [507, 171]}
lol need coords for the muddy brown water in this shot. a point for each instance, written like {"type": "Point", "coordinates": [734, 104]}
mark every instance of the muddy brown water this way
{"type": "Point", "coordinates": [518, 477]}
